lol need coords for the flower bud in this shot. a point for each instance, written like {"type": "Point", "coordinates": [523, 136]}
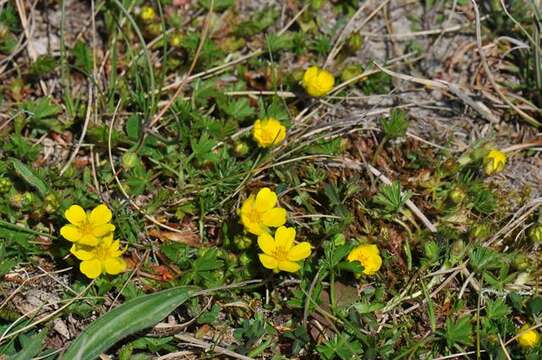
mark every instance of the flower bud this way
{"type": "Point", "coordinates": [339, 240]}
{"type": "Point", "coordinates": [153, 29]}
{"type": "Point", "coordinates": [458, 249]}
{"type": "Point", "coordinates": [431, 251]}
{"type": "Point", "coordinates": [355, 42]}
{"type": "Point", "coordinates": [50, 203]}
{"type": "Point", "coordinates": [231, 260]}
{"type": "Point", "coordinates": [480, 231]}
{"type": "Point", "coordinates": [520, 262]}
{"type": "Point", "coordinates": [5, 185]}
{"type": "Point", "coordinates": [4, 31]}
{"type": "Point", "coordinates": [241, 148]}
{"type": "Point", "coordinates": [129, 160]}
{"type": "Point", "coordinates": [242, 242]}
{"type": "Point", "coordinates": [535, 233]}
{"type": "Point", "coordinates": [350, 72]}
{"type": "Point", "coordinates": [147, 14]}
{"type": "Point", "coordinates": [457, 195]}
{"type": "Point", "coordinates": [16, 200]}
{"type": "Point", "coordinates": [244, 259]}
{"type": "Point", "coordinates": [176, 40]}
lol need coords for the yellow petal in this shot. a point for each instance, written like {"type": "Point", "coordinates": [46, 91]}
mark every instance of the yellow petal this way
{"type": "Point", "coordinates": [299, 252]}
{"type": "Point", "coordinates": [91, 268]}
{"type": "Point", "coordinates": [247, 206]}
{"type": "Point", "coordinates": [310, 75]}
{"type": "Point", "coordinates": [71, 233]}
{"type": "Point", "coordinates": [82, 252]}
{"type": "Point", "coordinates": [100, 215]}
{"type": "Point", "coordinates": [254, 228]}
{"type": "Point", "coordinates": [265, 200]}
{"type": "Point", "coordinates": [89, 240]}
{"type": "Point", "coordinates": [114, 266]}
{"type": "Point", "coordinates": [275, 217]}
{"type": "Point", "coordinates": [268, 262]}
{"type": "Point", "coordinates": [75, 214]}
{"type": "Point", "coordinates": [102, 230]}
{"type": "Point", "coordinates": [289, 266]}
{"type": "Point", "coordinates": [266, 243]}
{"type": "Point", "coordinates": [107, 241]}
{"type": "Point", "coordinates": [114, 249]}
{"type": "Point", "coordinates": [284, 237]}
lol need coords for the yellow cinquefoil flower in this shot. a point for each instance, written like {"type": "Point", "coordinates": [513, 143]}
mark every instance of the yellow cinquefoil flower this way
{"type": "Point", "coordinates": [494, 162]}
{"type": "Point", "coordinates": [368, 256]}
{"type": "Point", "coordinates": [268, 132]}
{"type": "Point", "coordinates": [104, 258]}
{"type": "Point", "coordinates": [528, 338]}
{"type": "Point", "coordinates": [87, 228]}
{"type": "Point", "coordinates": [280, 253]}
{"type": "Point", "coordinates": [259, 212]}
{"type": "Point", "coordinates": [318, 82]}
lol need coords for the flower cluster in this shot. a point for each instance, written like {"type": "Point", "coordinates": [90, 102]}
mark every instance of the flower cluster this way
{"type": "Point", "coordinates": [258, 214]}
{"type": "Point", "coordinates": [92, 236]}
{"type": "Point", "coordinates": [369, 256]}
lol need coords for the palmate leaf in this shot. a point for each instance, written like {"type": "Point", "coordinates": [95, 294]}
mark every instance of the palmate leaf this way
{"type": "Point", "coordinates": [459, 331]}
{"type": "Point", "coordinates": [391, 197]}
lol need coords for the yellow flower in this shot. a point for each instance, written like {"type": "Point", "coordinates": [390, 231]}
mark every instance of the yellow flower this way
{"type": "Point", "coordinates": [259, 212]}
{"type": "Point", "coordinates": [87, 228]}
{"type": "Point", "coordinates": [104, 258]}
{"type": "Point", "coordinates": [280, 253]}
{"type": "Point", "coordinates": [368, 256]}
{"type": "Point", "coordinates": [147, 13]}
{"type": "Point", "coordinates": [494, 162]}
{"type": "Point", "coordinates": [318, 82]}
{"type": "Point", "coordinates": [528, 338]}
{"type": "Point", "coordinates": [268, 132]}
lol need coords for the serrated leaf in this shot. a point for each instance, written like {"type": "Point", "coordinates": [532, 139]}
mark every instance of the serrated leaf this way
{"type": "Point", "coordinates": [41, 108]}
{"type": "Point", "coordinates": [459, 331]}
{"type": "Point", "coordinates": [31, 348]}
{"type": "Point", "coordinates": [83, 57]}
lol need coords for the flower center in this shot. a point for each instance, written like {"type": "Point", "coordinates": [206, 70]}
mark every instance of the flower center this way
{"type": "Point", "coordinates": [86, 227]}
{"type": "Point", "coordinates": [101, 252]}
{"type": "Point", "coordinates": [280, 253]}
{"type": "Point", "coordinates": [255, 216]}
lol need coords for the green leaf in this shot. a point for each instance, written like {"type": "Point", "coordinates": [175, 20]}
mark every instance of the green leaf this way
{"type": "Point", "coordinates": [129, 318]}
{"type": "Point", "coordinates": [459, 331]}
{"type": "Point", "coordinates": [30, 177]}
{"type": "Point", "coordinates": [219, 5]}
{"type": "Point", "coordinates": [32, 347]}
{"type": "Point", "coordinates": [363, 308]}
{"type": "Point", "coordinates": [497, 309]}
{"type": "Point", "coordinates": [535, 305]}
{"type": "Point", "coordinates": [133, 127]}
{"type": "Point", "coordinates": [41, 108]}
{"type": "Point", "coordinates": [83, 57]}
{"type": "Point", "coordinates": [397, 124]}
{"type": "Point", "coordinates": [391, 197]}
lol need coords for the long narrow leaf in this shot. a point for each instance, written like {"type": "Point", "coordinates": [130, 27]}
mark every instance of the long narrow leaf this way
{"type": "Point", "coordinates": [29, 177]}
{"type": "Point", "coordinates": [132, 316]}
